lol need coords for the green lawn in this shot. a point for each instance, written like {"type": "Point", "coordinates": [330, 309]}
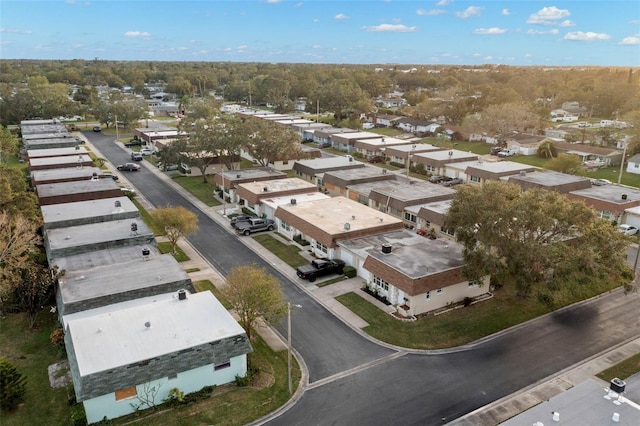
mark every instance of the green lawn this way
{"type": "Point", "coordinates": [462, 325]}
{"type": "Point", "coordinates": [202, 191]}
{"type": "Point", "coordinates": [622, 370]}
{"type": "Point", "coordinates": [31, 352]}
{"type": "Point", "coordinates": [147, 219]}
{"type": "Point", "coordinates": [288, 253]}
{"type": "Point", "coordinates": [165, 247]}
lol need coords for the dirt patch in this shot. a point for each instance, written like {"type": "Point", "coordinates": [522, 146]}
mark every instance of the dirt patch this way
{"type": "Point", "coordinates": [59, 374]}
{"type": "Point", "coordinates": [262, 380]}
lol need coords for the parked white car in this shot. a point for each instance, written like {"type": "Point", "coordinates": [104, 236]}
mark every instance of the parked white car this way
{"type": "Point", "coordinates": [146, 151]}
{"type": "Point", "coordinates": [627, 229]}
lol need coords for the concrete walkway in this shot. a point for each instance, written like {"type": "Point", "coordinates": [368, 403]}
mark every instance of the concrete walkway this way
{"type": "Point", "coordinates": [492, 414]}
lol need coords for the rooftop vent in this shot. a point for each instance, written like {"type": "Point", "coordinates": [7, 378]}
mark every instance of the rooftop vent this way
{"type": "Point", "coordinates": [265, 189]}
{"type": "Point", "coordinates": [147, 324]}
{"type": "Point", "coordinates": [134, 227]}
{"type": "Point", "coordinates": [386, 248]}
{"type": "Point", "coordinates": [617, 385]}
{"type": "Point", "coordinates": [182, 294]}
{"type": "Point", "coordinates": [347, 226]}
{"type": "Point", "coordinates": [293, 201]}
{"type": "Point", "coordinates": [353, 217]}
{"type": "Point", "coordinates": [146, 252]}
{"type": "Point", "coordinates": [117, 204]}
{"type": "Point", "coordinates": [523, 173]}
{"type": "Point", "coordinates": [384, 171]}
{"type": "Point", "coordinates": [238, 176]}
{"type": "Point", "coordinates": [624, 196]}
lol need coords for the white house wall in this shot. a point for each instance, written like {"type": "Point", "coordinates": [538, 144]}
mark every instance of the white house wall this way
{"type": "Point", "coordinates": [187, 382]}
{"type": "Point", "coordinates": [448, 295]}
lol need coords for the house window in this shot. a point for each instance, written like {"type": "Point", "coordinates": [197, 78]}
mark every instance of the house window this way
{"type": "Point", "coordinates": [320, 183]}
{"type": "Point", "coordinates": [379, 282]}
{"type": "Point", "coordinates": [410, 217]}
{"type": "Point", "coordinates": [474, 179]}
{"type": "Point", "coordinates": [363, 199]}
{"type": "Point", "coordinates": [474, 283]}
{"type": "Point", "coordinates": [321, 247]}
{"type": "Point", "coordinates": [448, 231]}
{"type": "Point", "coordinates": [285, 226]}
{"type": "Point", "coordinates": [396, 212]}
{"type": "Point", "coordinates": [427, 295]}
{"type": "Point", "coordinates": [222, 366]}
{"type": "Point", "coordinates": [430, 168]}
{"type": "Point", "coordinates": [126, 393]}
{"type": "Point", "coordinates": [439, 291]}
{"type": "Point", "coordinates": [285, 162]}
{"type": "Point", "coordinates": [427, 224]}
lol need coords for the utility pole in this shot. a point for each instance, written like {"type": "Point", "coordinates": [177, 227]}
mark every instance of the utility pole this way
{"type": "Point", "coordinates": [624, 154]}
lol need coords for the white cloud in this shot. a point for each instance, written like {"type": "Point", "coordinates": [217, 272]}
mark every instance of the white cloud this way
{"type": "Point", "coordinates": [528, 55]}
{"type": "Point", "coordinates": [444, 2]}
{"type": "Point", "coordinates": [432, 12]}
{"type": "Point", "coordinates": [548, 16]}
{"type": "Point", "coordinates": [489, 31]}
{"type": "Point", "coordinates": [390, 28]}
{"type": "Point", "coordinates": [273, 1]}
{"type": "Point", "coordinates": [14, 31]}
{"type": "Point", "coordinates": [341, 16]}
{"type": "Point", "coordinates": [469, 12]}
{"type": "Point", "coordinates": [315, 20]}
{"type": "Point", "coordinates": [242, 47]}
{"type": "Point", "coordinates": [634, 22]}
{"type": "Point", "coordinates": [588, 36]}
{"type": "Point", "coordinates": [567, 23]}
{"type": "Point", "coordinates": [137, 34]}
{"type": "Point", "coordinates": [553, 31]}
{"type": "Point", "coordinates": [631, 41]}
{"type": "Point", "coordinates": [506, 12]}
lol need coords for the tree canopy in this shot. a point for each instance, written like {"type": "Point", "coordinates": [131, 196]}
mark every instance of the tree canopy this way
{"type": "Point", "coordinates": [534, 239]}
{"type": "Point", "coordinates": [268, 141]}
{"type": "Point", "coordinates": [254, 294]}
{"type": "Point", "coordinates": [177, 222]}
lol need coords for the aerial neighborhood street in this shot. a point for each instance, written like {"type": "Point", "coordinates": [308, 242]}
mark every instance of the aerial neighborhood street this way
{"type": "Point", "coordinates": [351, 378]}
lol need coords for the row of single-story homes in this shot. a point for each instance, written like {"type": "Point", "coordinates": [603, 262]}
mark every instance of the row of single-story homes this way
{"type": "Point", "coordinates": [131, 317]}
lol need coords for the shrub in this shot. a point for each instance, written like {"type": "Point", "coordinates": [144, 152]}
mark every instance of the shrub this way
{"type": "Point", "coordinates": [57, 337]}
{"type": "Point", "coordinates": [78, 415]}
{"type": "Point", "coordinates": [467, 301]}
{"type": "Point", "coordinates": [350, 271]}
{"type": "Point", "coordinates": [12, 386]}
{"type": "Point", "coordinates": [175, 397]}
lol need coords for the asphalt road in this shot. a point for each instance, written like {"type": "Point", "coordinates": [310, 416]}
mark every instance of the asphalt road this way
{"type": "Point", "coordinates": [353, 381]}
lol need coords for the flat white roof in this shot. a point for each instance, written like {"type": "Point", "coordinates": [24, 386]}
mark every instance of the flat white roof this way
{"type": "Point", "coordinates": [274, 202]}
{"type": "Point", "coordinates": [332, 213]}
{"type": "Point", "coordinates": [328, 162]}
{"type": "Point", "coordinates": [66, 159]}
{"type": "Point", "coordinates": [277, 185]}
{"type": "Point", "coordinates": [56, 152]}
{"type": "Point", "coordinates": [83, 209]}
{"type": "Point", "coordinates": [116, 335]}
{"type": "Point", "coordinates": [444, 154]}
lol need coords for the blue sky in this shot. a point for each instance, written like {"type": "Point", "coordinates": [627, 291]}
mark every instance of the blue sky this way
{"type": "Point", "coordinates": [447, 32]}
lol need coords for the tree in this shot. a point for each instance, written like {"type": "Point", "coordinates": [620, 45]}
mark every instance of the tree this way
{"type": "Point", "coordinates": [269, 141]}
{"type": "Point", "coordinates": [177, 222]}
{"type": "Point", "coordinates": [18, 243]}
{"type": "Point", "coordinates": [13, 386]}
{"type": "Point", "coordinates": [502, 120]}
{"type": "Point", "coordinates": [566, 163]}
{"type": "Point", "coordinates": [254, 294]}
{"type": "Point", "coordinates": [8, 145]}
{"type": "Point", "coordinates": [218, 138]}
{"type": "Point", "coordinates": [34, 289]}
{"type": "Point", "coordinates": [546, 149]}
{"type": "Point", "coordinates": [534, 238]}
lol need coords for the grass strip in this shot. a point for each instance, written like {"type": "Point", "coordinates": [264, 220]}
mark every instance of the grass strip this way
{"type": "Point", "coordinates": [288, 253]}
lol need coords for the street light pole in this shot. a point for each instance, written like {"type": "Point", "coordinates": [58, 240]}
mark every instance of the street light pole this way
{"type": "Point", "coordinates": [289, 345]}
